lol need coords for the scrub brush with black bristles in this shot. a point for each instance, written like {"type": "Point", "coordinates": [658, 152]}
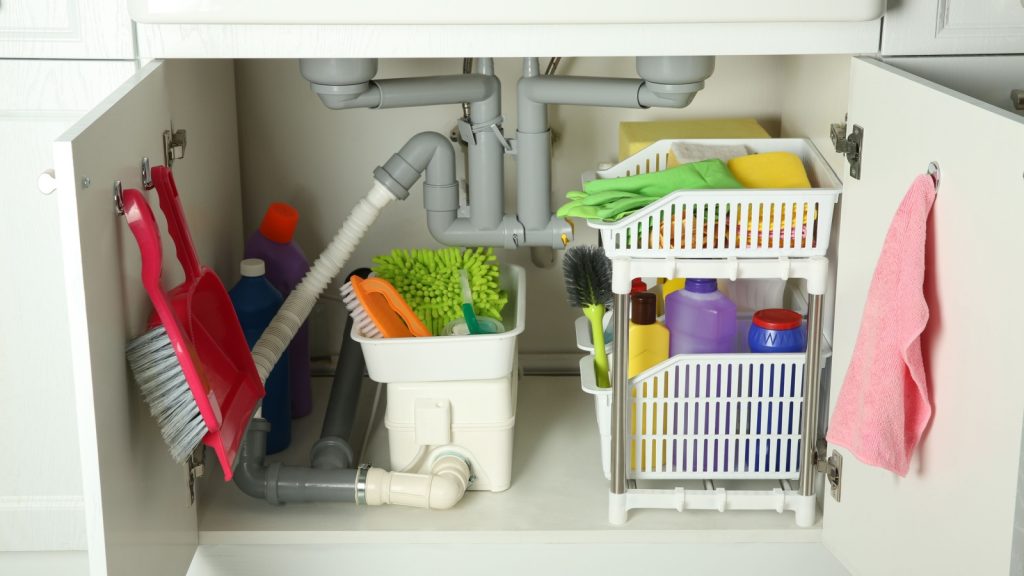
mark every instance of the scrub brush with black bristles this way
{"type": "Point", "coordinates": [429, 281]}
{"type": "Point", "coordinates": [588, 282]}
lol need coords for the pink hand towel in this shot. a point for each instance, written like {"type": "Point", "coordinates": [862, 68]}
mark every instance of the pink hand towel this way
{"type": "Point", "coordinates": [883, 406]}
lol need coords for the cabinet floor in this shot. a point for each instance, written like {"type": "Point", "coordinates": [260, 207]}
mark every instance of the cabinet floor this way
{"type": "Point", "coordinates": [558, 493]}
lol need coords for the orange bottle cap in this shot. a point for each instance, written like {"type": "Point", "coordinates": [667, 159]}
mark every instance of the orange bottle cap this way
{"type": "Point", "coordinates": [279, 222]}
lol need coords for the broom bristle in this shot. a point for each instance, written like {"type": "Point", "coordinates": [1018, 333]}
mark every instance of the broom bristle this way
{"type": "Point", "coordinates": [164, 388]}
{"type": "Point", "coordinates": [588, 276]}
{"type": "Point", "coordinates": [358, 314]}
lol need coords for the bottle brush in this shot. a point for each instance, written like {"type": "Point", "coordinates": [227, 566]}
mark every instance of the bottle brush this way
{"type": "Point", "coordinates": [429, 280]}
{"type": "Point", "coordinates": [588, 281]}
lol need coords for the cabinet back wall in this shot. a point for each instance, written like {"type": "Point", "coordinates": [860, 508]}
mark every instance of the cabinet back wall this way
{"type": "Point", "coordinates": [295, 149]}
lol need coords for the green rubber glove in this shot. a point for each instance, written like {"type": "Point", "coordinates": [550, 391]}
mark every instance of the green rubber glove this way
{"type": "Point", "coordinates": [706, 174]}
{"type": "Point", "coordinates": [615, 198]}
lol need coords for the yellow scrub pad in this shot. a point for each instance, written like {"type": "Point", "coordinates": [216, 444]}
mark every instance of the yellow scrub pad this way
{"type": "Point", "coordinates": [770, 170]}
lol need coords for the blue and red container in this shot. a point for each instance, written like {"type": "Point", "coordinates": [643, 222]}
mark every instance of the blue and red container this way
{"type": "Point", "coordinates": [776, 330]}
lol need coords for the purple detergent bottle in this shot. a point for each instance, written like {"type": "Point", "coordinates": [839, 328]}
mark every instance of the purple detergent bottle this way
{"type": "Point", "coordinates": [286, 265]}
{"type": "Point", "coordinates": [700, 319]}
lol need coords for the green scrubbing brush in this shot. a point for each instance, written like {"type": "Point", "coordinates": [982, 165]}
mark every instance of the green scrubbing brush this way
{"type": "Point", "coordinates": [588, 280]}
{"type": "Point", "coordinates": [429, 282]}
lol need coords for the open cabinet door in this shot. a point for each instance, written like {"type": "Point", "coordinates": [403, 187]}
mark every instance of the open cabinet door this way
{"type": "Point", "coordinates": [954, 511]}
{"type": "Point", "coordinates": [139, 515]}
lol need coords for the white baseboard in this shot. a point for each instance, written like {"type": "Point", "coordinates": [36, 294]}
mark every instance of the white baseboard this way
{"type": "Point", "coordinates": [41, 523]}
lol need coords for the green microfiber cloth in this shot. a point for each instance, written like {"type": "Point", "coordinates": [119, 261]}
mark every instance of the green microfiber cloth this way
{"type": "Point", "coordinates": [615, 198]}
{"type": "Point", "coordinates": [428, 280]}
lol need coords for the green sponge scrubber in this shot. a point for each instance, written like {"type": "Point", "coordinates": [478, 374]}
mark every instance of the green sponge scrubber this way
{"type": "Point", "coordinates": [428, 280]}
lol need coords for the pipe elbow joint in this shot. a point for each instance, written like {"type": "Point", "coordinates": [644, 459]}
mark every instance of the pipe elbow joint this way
{"type": "Point", "coordinates": [443, 488]}
{"type": "Point", "coordinates": [450, 230]}
{"type": "Point", "coordinates": [450, 482]}
{"type": "Point", "coordinates": [653, 95]}
{"type": "Point", "coordinates": [250, 475]}
{"type": "Point", "coordinates": [426, 152]}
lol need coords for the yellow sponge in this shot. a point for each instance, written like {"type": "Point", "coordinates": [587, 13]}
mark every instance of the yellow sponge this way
{"type": "Point", "coordinates": [770, 170]}
{"type": "Point", "coordinates": [635, 136]}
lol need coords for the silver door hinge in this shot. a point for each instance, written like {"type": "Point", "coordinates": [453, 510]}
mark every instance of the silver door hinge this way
{"type": "Point", "coordinates": [851, 145]}
{"type": "Point", "coordinates": [832, 467]}
{"type": "Point", "coordinates": [1017, 98]}
{"type": "Point", "coordinates": [195, 466]}
{"type": "Point", "coordinates": [174, 146]}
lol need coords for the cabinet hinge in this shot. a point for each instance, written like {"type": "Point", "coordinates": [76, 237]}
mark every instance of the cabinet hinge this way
{"type": "Point", "coordinates": [832, 467]}
{"type": "Point", "coordinates": [195, 466]}
{"type": "Point", "coordinates": [1017, 98]}
{"type": "Point", "coordinates": [174, 146]}
{"type": "Point", "coordinates": [851, 145]}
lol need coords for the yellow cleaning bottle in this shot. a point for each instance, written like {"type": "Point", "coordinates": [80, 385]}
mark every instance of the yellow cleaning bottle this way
{"type": "Point", "coordinates": [648, 340]}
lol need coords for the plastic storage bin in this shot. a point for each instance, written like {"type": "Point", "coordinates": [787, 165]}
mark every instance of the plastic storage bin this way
{"type": "Point", "coordinates": [456, 394]}
{"type": "Point", "coordinates": [708, 416]}
{"type": "Point", "coordinates": [446, 358]}
{"type": "Point", "coordinates": [750, 223]}
{"type": "Point", "coordinates": [473, 418]}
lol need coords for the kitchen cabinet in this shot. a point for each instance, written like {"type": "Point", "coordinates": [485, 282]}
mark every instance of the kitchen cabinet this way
{"type": "Point", "coordinates": [41, 504]}
{"type": "Point", "coordinates": [918, 27]}
{"type": "Point", "coordinates": [321, 28]}
{"type": "Point", "coordinates": [71, 29]}
{"type": "Point", "coordinates": [138, 501]}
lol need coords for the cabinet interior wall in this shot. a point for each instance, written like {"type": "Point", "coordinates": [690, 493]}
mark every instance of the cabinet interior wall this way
{"type": "Point", "coordinates": [293, 148]}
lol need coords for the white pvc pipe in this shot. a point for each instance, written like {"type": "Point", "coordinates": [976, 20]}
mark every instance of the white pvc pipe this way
{"type": "Point", "coordinates": [300, 301]}
{"type": "Point", "coordinates": [439, 490]}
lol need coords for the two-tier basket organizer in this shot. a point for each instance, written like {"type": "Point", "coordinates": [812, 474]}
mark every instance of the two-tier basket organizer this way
{"type": "Point", "coordinates": [738, 416]}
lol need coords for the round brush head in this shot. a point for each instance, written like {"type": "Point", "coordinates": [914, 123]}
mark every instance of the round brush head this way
{"type": "Point", "coordinates": [588, 276]}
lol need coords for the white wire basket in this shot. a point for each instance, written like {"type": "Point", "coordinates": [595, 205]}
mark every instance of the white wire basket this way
{"type": "Point", "coordinates": [707, 416]}
{"type": "Point", "coordinates": [748, 223]}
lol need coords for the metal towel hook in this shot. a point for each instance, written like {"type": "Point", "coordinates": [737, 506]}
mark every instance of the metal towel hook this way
{"type": "Point", "coordinates": [935, 173]}
{"type": "Point", "coordinates": [118, 199]}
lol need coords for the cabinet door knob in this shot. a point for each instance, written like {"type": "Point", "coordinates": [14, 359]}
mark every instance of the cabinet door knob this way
{"type": "Point", "coordinates": [47, 182]}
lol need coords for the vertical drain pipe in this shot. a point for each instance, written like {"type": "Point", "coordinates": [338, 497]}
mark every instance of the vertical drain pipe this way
{"type": "Point", "coordinates": [533, 155]}
{"type": "Point", "coordinates": [486, 165]}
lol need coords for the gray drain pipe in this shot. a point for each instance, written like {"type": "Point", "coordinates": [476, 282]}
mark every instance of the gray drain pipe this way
{"type": "Point", "coordinates": [348, 83]}
{"type": "Point", "coordinates": [432, 155]}
{"type": "Point", "coordinates": [664, 81]}
{"type": "Point", "coordinates": [332, 477]}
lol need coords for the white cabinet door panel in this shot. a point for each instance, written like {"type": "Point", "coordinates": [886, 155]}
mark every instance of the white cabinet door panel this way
{"type": "Point", "coordinates": [41, 496]}
{"type": "Point", "coordinates": [954, 512]}
{"type": "Point", "coordinates": [919, 27]}
{"type": "Point", "coordinates": [67, 29]}
{"type": "Point", "coordinates": [138, 514]}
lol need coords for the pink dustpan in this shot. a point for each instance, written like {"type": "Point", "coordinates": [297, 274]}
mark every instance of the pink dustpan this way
{"type": "Point", "coordinates": [200, 323]}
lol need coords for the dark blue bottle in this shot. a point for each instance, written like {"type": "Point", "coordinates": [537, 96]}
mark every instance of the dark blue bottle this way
{"type": "Point", "coordinates": [256, 302]}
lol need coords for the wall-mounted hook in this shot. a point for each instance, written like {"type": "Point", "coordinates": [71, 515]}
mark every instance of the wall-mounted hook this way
{"type": "Point", "coordinates": [118, 199]}
{"type": "Point", "coordinates": [935, 173]}
{"type": "Point", "coordinates": [147, 175]}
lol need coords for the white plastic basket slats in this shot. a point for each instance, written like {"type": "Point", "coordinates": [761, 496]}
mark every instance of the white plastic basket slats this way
{"type": "Point", "coordinates": [756, 223]}
{"type": "Point", "coordinates": [783, 225]}
{"type": "Point", "coordinates": [718, 420]}
{"type": "Point", "coordinates": [714, 417]}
